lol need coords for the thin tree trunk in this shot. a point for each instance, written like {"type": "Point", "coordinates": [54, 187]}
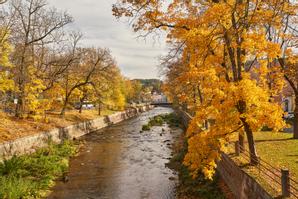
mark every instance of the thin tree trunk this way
{"type": "Point", "coordinates": [20, 106]}
{"type": "Point", "coordinates": [254, 160]}
{"type": "Point", "coordinates": [81, 104]}
{"type": "Point", "coordinates": [99, 110]}
{"type": "Point", "coordinates": [62, 113]}
{"type": "Point", "coordinates": [81, 107]}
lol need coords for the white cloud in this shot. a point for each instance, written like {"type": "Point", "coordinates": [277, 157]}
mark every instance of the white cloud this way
{"type": "Point", "coordinates": [136, 58]}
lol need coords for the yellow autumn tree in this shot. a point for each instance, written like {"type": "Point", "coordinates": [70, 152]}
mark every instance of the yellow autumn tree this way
{"type": "Point", "coordinates": [6, 82]}
{"type": "Point", "coordinates": [225, 53]}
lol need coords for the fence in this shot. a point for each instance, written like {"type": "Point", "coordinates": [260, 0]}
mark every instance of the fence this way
{"type": "Point", "coordinates": [279, 180]}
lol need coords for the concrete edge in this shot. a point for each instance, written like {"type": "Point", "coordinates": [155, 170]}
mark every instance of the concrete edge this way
{"type": "Point", "coordinates": [29, 144]}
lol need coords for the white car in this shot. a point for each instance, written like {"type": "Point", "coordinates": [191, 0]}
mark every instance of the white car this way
{"type": "Point", "coordinates": [88, 106]}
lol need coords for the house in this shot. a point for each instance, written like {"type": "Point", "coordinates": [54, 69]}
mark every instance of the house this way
{"type": "Point", "coordinates": [159, 98]}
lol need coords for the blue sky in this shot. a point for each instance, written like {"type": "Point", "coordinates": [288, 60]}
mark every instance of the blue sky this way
{"type": "Point", "coordinates": [136, 58]}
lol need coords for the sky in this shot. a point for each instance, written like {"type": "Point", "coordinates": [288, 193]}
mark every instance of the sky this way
{"type": "Point", "coordinates": [135, 57]}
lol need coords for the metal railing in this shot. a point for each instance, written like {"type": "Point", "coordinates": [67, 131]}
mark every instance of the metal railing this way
{"type": "Point", "coordinates": [277, 178]}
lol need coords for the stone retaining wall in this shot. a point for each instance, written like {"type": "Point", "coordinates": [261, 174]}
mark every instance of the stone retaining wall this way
{"type": "Point", "coordinates": [185, 117]}
{"type": "Point", "coordinates": [30, 143]}
{"type": "Point", "coordinates": [239, 182]}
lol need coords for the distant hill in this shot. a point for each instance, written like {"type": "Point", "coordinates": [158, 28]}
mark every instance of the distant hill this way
{"type": "Point", "coordinates": [155, 84]}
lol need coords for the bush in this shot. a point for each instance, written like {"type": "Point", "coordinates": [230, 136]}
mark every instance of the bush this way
{"type": "Point", "coordinates": [171, 119]}
{"type": "Point", "coordinates": [156, 121]}
{"type": "Point", "coordinates": [146, 127]}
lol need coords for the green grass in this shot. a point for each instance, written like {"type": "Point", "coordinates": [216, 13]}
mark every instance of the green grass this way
{"type": "Point", "coordinates": [31, 176]}
{"type": "Point", "coordinates": [279, 150]}
{"type": "Point", "coordinates": [171, 119]}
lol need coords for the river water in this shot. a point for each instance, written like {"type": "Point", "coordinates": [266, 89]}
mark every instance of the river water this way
{"type": "Point", "coordinates": [120, 162]}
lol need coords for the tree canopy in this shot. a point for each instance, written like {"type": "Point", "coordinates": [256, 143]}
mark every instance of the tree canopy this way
{"type": "Point", "coordinates": [222, 66]}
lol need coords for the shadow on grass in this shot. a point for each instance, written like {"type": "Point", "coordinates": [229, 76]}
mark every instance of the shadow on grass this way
{"type": "Point", "coordinates": [273, 140]}
{"type": "Point", "coordinates": [244, 165]}
{"type": "Point", "coordinates": [292, 155]}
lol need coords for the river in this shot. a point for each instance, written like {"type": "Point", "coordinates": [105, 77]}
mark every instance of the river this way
{"type": "Point", "coordinates": [120, 162]}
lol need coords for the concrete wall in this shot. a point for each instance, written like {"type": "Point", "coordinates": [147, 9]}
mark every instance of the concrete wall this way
{"type": "Point", "coordinates": [240, 183]}
{"type": "Point", "coordinates": [31, 143]}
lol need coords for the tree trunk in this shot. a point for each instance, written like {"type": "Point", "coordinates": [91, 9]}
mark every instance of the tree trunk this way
{"type": "Point", "coordinates": [62, 113]}
{"type": "Point", "coordinates": [81, 105]}
{"type": "Point", "coordinates": [81, 108]}
{"type": "Point", "coordinates": [20, 106]}
{"type": "Point", "coordinates": [295, 119]}
{"type": "Point", "coordinates": [18, 111]}
{"type": "Point", "coordinates": [206, 124]}
{"type": "Point", "coordinates": [99, 110]}
{"type": "Point", "coordinates": [254, 160]}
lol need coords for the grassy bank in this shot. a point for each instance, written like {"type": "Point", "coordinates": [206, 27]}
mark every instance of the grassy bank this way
{"type": "Point", "coordinates": [31, 176]}
{"type": "Point", "coordinates": [12, 128]}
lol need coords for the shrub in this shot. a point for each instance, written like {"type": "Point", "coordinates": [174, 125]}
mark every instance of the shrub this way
{"type": "Point", "coordinates": [146, 127]}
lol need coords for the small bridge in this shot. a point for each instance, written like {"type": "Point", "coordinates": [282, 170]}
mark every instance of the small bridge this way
{"type": "Point", "coordinates": [163, 104]}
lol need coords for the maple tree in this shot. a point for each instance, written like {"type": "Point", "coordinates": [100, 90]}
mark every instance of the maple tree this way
{"type": "Point", "coordinates": [6, 81]}
{"type": "Point", "coordinates": [209, 70]}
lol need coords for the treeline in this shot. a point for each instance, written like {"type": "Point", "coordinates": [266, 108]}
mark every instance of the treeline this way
{"type": "Point", "coordinates": [44, 67]}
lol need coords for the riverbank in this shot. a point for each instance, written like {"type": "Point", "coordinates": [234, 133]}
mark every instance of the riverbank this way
{"type": "Point", "coordinates": [32, 176]}
{"type": "Point", "coordinates": [29, 144]}
{"type": "Point", "coordinates": [12, 128]}
{"type": "Point", "coordinates": [189, 188]}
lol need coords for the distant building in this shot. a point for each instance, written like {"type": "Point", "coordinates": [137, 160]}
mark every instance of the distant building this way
{"type": "Point", "coordinates": [159, 98]}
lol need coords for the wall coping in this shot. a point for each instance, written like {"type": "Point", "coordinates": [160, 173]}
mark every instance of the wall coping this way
{"type": "Point", "coordinates": [29, 144]}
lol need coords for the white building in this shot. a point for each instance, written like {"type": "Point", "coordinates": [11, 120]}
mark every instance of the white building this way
{"type": "Point", "coordinates": [159, 98]}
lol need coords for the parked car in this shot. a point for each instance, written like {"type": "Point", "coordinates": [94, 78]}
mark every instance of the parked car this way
{"type": "Point", "coordinates": [86, 105]}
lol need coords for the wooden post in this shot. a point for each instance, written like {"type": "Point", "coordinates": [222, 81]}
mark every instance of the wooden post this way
{"type": "Point", "coordinates": [285, 182]}
{"type": "Point", "coordinates": [237, 148]}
